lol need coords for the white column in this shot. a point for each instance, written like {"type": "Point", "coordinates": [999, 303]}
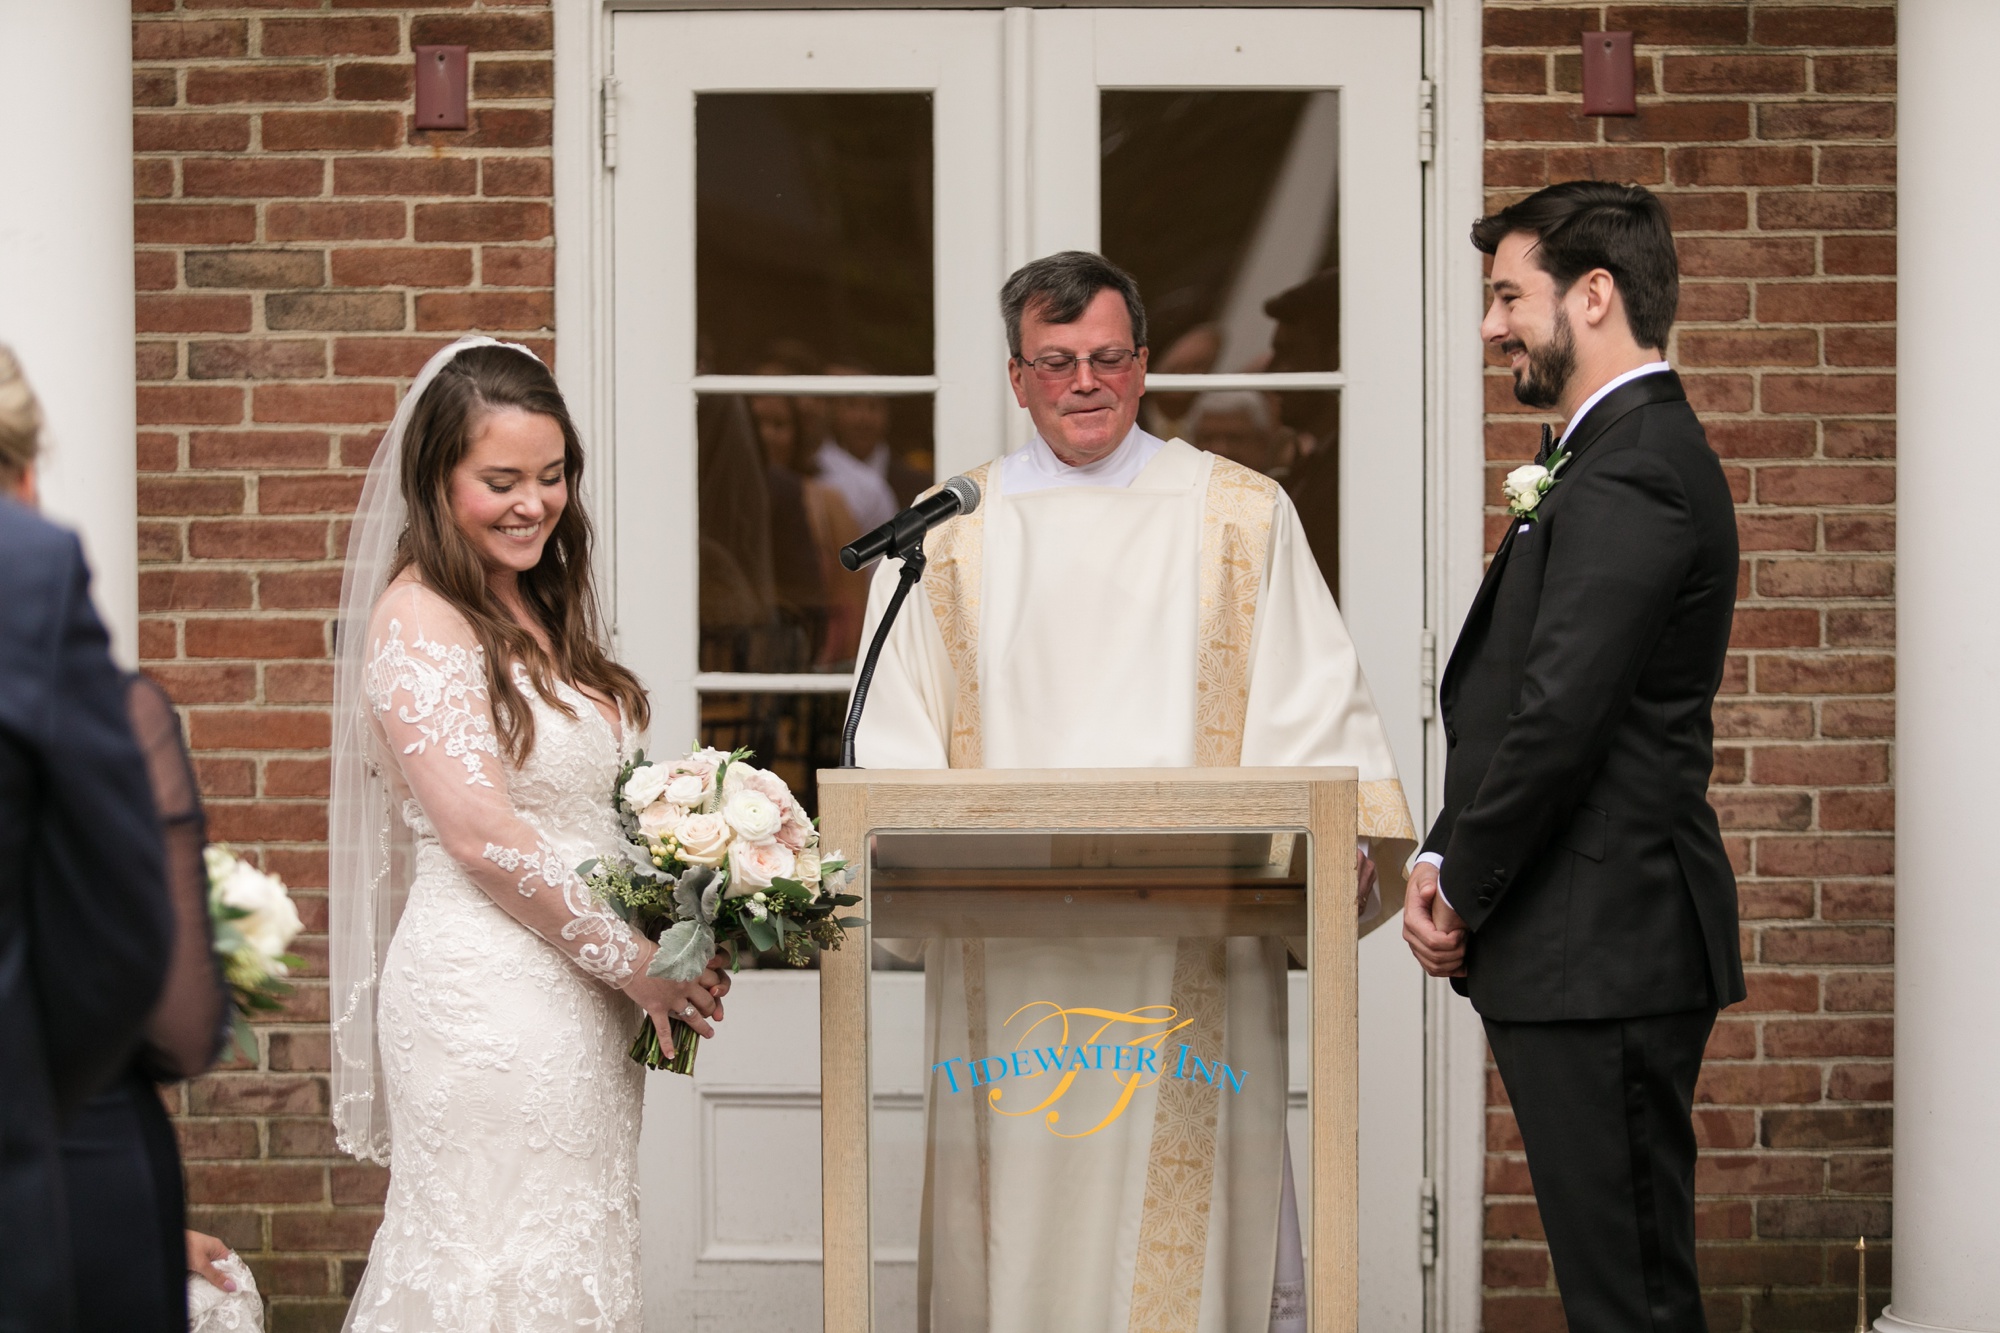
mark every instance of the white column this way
{"type": "Point", "coordinates": [1947, 1174]}
{"type": "Point", "coordinates": [66, 301]}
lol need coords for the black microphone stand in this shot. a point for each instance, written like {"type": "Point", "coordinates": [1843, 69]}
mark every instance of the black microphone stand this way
{"type": "Point", "coordinates": [911, 552]}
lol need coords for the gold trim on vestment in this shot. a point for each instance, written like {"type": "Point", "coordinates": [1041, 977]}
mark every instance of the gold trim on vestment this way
{"type": "Point", "coordinates": [1180, 1165]}
{"type": "Point", "coordinates": [957, 552]}
{"type": "Point", "coordinates": [1381, 812]}
{"type": "Point", "coordinates": [1235, 543]}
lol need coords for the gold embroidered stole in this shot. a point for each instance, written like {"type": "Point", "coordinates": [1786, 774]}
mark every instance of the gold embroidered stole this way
{"type": "Point", "coordinates": [1180, 1172]}
{"type": "Point", "coordinates": [952, 581]}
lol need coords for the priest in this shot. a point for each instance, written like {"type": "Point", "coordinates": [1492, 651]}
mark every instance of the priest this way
{"type": "Point", "coordinates": [1117, 601]}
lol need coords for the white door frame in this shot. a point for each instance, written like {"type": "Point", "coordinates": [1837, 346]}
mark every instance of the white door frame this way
{"type": "Point", "coordinates": [1454, 484]}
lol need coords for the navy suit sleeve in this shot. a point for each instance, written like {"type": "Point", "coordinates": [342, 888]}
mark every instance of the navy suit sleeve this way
{"type": "Point", "coordinates": [100, 927]}
{"type": "Point", "coordinates": [1618, 551]}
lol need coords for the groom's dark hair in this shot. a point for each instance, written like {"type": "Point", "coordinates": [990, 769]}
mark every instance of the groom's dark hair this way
{"type": "Point", "coordinates": [1058, 287]}
{"type": "Point", "coordinates": [1583, 225]}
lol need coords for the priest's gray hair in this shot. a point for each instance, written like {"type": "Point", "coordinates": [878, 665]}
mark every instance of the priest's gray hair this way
{"type": "Point", "coordinates": [1059, 286]}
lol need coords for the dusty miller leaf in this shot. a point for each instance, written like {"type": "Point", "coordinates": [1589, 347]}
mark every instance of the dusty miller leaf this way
{"type": "Point", "coordinates": [685, 949]}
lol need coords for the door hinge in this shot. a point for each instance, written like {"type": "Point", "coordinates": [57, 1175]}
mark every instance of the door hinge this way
{"type": "Point", "coordinates": [1426, 120]}
{"type": "Point", "coordinates": [1427, 673]}
{"type": "Point", "coordinates": [607, 96]}
{"type": "Point", "coordinates": [1427, 1224]}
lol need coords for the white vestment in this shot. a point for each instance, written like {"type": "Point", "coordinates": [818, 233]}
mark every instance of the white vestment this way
{"type": "Point", "coordinates": [1157, 609]}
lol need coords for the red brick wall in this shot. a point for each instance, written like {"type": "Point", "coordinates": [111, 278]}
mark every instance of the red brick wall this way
{"type": "Point", "coordinates": [1769, 129]}
{"type": "Point", "coordinates": [301, 251]}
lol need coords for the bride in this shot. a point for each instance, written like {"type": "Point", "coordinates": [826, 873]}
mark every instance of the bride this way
{"type": "Point", "coordinates": [482, 999]}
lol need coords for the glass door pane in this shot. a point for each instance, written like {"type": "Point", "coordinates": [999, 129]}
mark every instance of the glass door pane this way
{"type": "Point", "coordinates": [813, 221]}
{"type": "Point", "coordinates": [1247, 283]}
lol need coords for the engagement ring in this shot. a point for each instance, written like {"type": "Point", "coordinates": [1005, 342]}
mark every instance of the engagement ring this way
{"type": "Point", "coordinates": [688, 1012]}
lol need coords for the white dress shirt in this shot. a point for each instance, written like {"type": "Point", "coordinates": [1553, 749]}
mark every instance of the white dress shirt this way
{"type": "Point", "coordinates": [1576, 418]}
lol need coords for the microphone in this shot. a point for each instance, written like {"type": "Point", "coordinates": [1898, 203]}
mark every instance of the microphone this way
{"type": "Point", "coordinates": [960, 495]}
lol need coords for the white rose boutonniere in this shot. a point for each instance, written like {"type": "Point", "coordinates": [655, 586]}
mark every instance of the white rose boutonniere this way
{"type": "Point", "coordinates": [1525, 486]}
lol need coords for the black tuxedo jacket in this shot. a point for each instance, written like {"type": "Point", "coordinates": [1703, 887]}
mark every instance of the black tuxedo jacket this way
{"type": "Point", "coordinates": [84, 920]}
{"type": "Point", "coordinates": [1577, 837]}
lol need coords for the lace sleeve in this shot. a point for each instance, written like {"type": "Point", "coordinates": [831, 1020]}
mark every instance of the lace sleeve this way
{"type": "Point", "coordinates": [426, 686]}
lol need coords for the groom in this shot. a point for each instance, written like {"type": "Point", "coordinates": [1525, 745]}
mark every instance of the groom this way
{"type": "Point", "coordinates": [1575, 884]}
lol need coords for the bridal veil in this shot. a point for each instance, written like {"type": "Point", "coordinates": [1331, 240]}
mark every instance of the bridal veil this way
{"type": "Point", "coordinates": [369, 861]}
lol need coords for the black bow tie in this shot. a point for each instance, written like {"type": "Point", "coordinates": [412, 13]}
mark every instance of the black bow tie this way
{"type": "Point", "coordinates": [1548, 445]}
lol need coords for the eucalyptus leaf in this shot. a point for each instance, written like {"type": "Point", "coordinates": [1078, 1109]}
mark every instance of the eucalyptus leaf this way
{"type": "Point", "coordinates": [761, 933]}
{"type": "Point", "coordinates": [685, 948]}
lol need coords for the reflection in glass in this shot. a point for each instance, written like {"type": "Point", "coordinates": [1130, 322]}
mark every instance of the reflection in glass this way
{"type": "Point", "coordinates": [1108, 1080]}
{"type": "Point", "coordinates": [1292, 437]}
{"type": "Point", "coordinates": [784, 482]}
{"type": "Point", "coordinates": [1224, 205]}
{"type": "Point", "coordinates": [813, 225]}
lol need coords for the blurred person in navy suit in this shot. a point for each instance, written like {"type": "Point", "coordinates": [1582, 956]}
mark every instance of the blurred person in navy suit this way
{"type": "Point", "coordinates": [85, 927]}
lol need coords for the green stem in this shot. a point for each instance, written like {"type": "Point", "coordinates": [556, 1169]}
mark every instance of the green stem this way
{"type": "Point", "coordinates": [648, 1050]}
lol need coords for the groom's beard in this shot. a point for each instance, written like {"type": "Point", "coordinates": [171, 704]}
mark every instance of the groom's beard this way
{"type": "Point", "coordinates": [1541, 382]}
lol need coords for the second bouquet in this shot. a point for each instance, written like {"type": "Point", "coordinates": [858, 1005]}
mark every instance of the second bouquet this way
{"type": "Point", "coordinates": [722, 858]}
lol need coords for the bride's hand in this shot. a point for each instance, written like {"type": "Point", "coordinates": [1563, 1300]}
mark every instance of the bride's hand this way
{"type": "Point", "coordinates": [694, 1003]}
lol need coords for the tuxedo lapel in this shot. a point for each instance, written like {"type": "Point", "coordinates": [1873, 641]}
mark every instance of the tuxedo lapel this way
{"type": "Point", "coordinates": [1660, 387]}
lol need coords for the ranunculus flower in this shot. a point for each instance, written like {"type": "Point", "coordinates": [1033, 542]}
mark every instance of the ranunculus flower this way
{"type": "Point", "coordinates": [659, 819]}
{"type": "Point", "coordinates": [646, 785]}
{"type": "Point", "coordinates": [797, 830]}
{"type": "Point", "coordinates": [753, 815]}
{"type": "Point", "coordinates": [752, 866]}
{"type": "Point", "coordinates": [704, 839]}
{"type": "Point", "coordinates": [1523, 487]}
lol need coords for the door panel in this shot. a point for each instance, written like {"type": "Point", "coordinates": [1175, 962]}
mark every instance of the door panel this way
{"type": "Point", "coordinates": [1322, 104]}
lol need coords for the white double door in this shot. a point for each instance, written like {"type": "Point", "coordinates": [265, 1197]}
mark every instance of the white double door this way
{"type": "Point", "coordinates": [1046, 129]}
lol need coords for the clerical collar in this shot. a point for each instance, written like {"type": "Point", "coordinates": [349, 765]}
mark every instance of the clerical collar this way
{"type": "Point", "coordinates": [1036, 468]}
{"type": "Point", "coordinates": [1576, 419]}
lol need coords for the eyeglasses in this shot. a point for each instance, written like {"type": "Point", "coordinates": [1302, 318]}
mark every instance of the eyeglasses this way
{"type": "Point", "coordinates": [1061, 365]}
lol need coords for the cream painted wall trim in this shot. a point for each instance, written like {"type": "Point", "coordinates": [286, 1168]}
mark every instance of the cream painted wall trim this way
{"type": "Point", "coordinates": [67, 305]}
{"type": "Point", "coordinates": [1454, 481]}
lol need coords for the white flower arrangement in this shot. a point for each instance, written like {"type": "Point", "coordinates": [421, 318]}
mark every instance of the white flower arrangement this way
{"type": "Point", "coordinates": [254, 923]}
{"type": "Point", "coordinates": [720, 855]}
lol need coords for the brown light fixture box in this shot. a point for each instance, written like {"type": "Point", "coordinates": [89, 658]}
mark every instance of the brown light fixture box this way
{"type": "Point", "coordinates": [1607, 75]}
{"type": "Point", "coordinates": [441, 88]}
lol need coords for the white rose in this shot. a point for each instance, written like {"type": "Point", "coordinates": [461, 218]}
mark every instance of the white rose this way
{"type": "Point", "coordinates": [1523, 486]}
{"type": "Point", "coordinates": [657, 820]}
{"type": "Point", "coordinates": [704, 839]}
{"type": "Point", "coordinates": [753, 815]}
{"type": "Point", "coordinates": [689, 790]}
{"type": "Point", "coordinates": [646, 785]}
{"type": "Point", "coordinates": [806, 869]}
{"type": "Point", "coordinates": [273, 922]}
{"type": "Point", "coordinates": [754, 866]}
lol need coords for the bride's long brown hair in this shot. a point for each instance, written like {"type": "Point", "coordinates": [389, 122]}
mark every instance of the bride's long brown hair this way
{"type": "Point", "coordinates": [558, 590]}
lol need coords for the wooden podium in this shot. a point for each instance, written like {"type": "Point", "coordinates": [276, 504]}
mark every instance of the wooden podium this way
{"type": "Point", "coordinates": [1154, 852]}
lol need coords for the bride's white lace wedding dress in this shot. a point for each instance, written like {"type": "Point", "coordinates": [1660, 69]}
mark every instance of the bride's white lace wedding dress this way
{"type": "Point", "coordinates": [513, 1189]}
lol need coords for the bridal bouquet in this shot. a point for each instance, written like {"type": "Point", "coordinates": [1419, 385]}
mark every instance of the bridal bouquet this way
{"type": "Point", "coordinates": [254, 924]}
{"type": "Point", "coordinates": [721, 857]}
